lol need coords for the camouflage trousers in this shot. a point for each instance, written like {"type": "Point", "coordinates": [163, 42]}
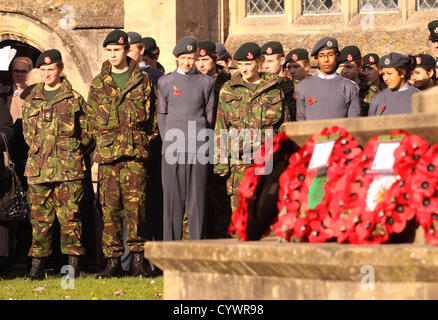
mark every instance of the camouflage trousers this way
{"type": "Point", "coordinates": [237, 173]}
{"type": "Point", "coordinates": [122, 186]}
{"type": "Point", "coordinates": [61, 199]}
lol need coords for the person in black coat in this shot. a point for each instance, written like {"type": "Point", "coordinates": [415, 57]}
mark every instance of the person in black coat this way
{"type": "Point", "coordinates": [6, 127]}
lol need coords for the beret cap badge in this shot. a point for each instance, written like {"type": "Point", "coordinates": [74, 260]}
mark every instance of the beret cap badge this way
{"type": "Point", "coordinates": [250, 56]}
{"type": "Point", "coordinates": [203, 52]}
{"type": "Point", "coordinates": [435, 30]}
{"type": "Point", "coordinates": [189, 47]}
{"type": "Point", "coordinates": [121, 40]}
{"type": "Point", "coordinates": [371, 59]}
{"type": "Point", "coordinates": [418, 60]}
{"type": "Point", "coordinates": [387, 61]}
{"type": "Point", "coordinates": [350, 57]}
{"type": "Point", "coordinates": [47, 60]}
{"type": "Point", "coordinates": [294, 57]}
{"type": "Point", "coordinates": [329, 44]}
{"type": "Point", "coordinates": [269, 50]}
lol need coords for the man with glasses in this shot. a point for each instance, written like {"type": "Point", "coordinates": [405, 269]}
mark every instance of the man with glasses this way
{"type": "Point", "coordinates": [19, 69]}
{"type": "Point", "coordinates": [327, 95]}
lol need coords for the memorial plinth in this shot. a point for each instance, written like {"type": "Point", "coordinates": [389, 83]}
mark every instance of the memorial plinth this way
{"type": "Point", "coordinates": [267, 269]}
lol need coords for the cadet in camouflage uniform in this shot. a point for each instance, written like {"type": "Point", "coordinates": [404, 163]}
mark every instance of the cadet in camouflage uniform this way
{"type": "Point", "coordinates": [219, 199]}
{"type": "Point", "coordinates": [55, 129]}
{"type": "Point", "coordinates": [123, 122]}
{"type": "Point", "coordinates": [371, 71]}
{"type": "Point", "coordinates": [250, 100]}
{"type": "Point", "coordinates": [274, 61]}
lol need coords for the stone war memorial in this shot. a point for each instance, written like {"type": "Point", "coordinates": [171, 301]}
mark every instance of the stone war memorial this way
{"type": "Point", "coordinates": [268, 269]}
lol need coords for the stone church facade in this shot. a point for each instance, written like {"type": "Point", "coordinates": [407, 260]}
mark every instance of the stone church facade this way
{"type": "Point", "coordinates": [78, 27]}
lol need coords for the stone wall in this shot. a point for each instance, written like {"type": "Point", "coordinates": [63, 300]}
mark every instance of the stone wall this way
{"type": "Point", "coordinates": [76, 28]}
{"type": "Point", "coordinates": [379, 33]}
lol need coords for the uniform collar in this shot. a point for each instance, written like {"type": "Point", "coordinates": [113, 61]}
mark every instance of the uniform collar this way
{"type": "Point", "coordinates": [330, 76]}
{"type": "Point", "coordinates": [405, 87]}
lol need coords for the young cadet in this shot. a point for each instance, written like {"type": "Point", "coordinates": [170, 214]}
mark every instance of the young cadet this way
{"type": "Point", "coordinates": [297, 64]}
{"type": "Point", "coordinates": [122, 119]}
{"type": "Point", "coordinates": [223, 57]}
{"type": "Point", "coordinates": [327, 95]}
{"type": "Point", "coordinates": [152, 53]}
{"type": "Point", "coordinates": [433, 39]}
{"type": "Point", "coordinates": [250, 100]}
{"type": "Point", "coordinates": [350, 65]}
{"type": "Point", "coordinates": [185, 110]}
{"type": "Point", "coordinates": [221, 212]}
{"type": "Point", "coordinates": [273, 62]}
{"type": "Point", "coordinates": [424, 75]}
{"type": "Point", "coordinates": [371, 70]}
{"type": "Point", "coordinates": [397, 98]}
{"type": "Point", "coordinates": [55, 128]}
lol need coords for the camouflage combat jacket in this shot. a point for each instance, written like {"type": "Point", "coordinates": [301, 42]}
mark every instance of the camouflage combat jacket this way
{"type": "Point", "coordinates": [366, 92]}
{"type": "Point", "coordinates": [242, 108]}
{"type": "Point", "coordinates": [123, 121]}
{"type": "Point", "coordinates": [55, 132]}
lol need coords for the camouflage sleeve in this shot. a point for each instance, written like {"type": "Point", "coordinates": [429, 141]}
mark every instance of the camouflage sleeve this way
{"type": "Point", "coordinates": [221, 124]}
{"type": "Point", "coordinates": [151, 107]}
{"type": "Point", "coordinates": [28, 131]}
{"type": "Point", "coordinates": [84, 124]}
{"type": "Point", "coordinates": [91, 105]}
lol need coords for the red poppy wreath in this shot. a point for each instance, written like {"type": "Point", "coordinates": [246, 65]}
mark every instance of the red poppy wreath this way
{"type": "Point", "coordinates": [424, 185]}
{"type": "Point", "coordinates": [377, 194]}
{"type": "Point", "coordinates": [239, 218]}
{"type": "Point", "coordinates": [303, 196]}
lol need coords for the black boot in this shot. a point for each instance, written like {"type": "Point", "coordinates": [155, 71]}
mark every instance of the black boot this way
{"type": "Point", "coordinates": [113, 269]}
{"type": "Point", "coordinates": [75, 262]}
{"type": "Point", "coordinates": [37, 269]}
{"type": "Point", "coordinates": [140, 267]}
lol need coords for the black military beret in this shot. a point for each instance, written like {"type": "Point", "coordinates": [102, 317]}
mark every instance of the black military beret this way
{"type": "Point", "coordinates": [116, 37]}
{"type": "Point", "coordinates": [369, 59]}
{"type": "Point", "coordinates": [221, 51]}
{"type": "Point", "coordinates": [48, 57]}
{"type": "Point", "coordinates": [297, 55]}
{"type": "Point", "coordinates": [185, 45]}
{"type": "Point", "coordinates": [149, 44]}
{"type": "Point", "coordinates": [433, 28]}
{"type": "Point", "coordinates": [272, 47]}
{"type": "Point", "coordinates": [324, 44]}
{"type": "Point", "coordinates": [393, 60]}
{"type": "Point", "coordinates": [349, 54]}
{"type": "Point", "coordinates": [207, 48]}
{"type": "Point", "coordinates": [425, 61]}
{"type": "Point", "coordinates": [247, 52]}
{"type": "Point", "coordinates": [133, 37]}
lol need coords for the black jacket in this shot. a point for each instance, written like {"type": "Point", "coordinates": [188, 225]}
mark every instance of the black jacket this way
{"type": "Point", "coordinates": [7, 128]}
